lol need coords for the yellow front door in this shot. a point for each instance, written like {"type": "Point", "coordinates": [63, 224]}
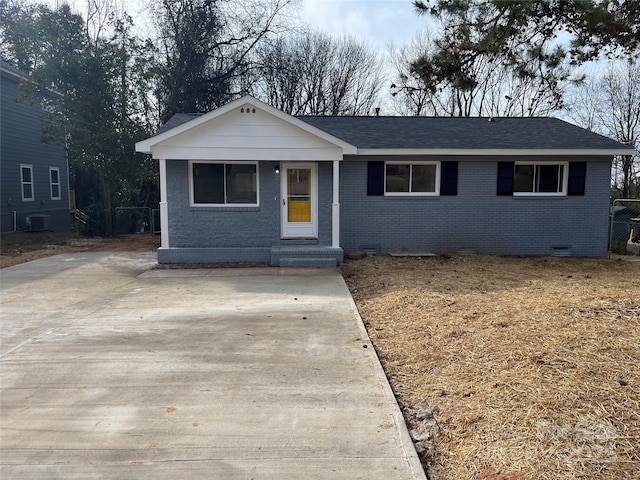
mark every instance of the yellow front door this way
{"type": "Point", "coordinates": [299, 195]}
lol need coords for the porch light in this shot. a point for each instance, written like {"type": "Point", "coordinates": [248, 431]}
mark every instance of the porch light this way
{"type": "Point", "coordinates": [277, 169]}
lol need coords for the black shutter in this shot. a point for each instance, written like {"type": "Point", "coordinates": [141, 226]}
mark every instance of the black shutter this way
{"type": "Point", "coordinates": [448, 178]}
{"type": "Point", "coordinates": [577, 178]}
{"type": "Point", "coordinates": [375, 178]}
{"type": "Point", "coordinates": [505, 178]}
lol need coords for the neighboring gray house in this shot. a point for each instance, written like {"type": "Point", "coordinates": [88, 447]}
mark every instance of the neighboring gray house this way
{"type": "Point", "coordinates": [34, 175]}
{"type": "Point", "coordinates": [247, 182]}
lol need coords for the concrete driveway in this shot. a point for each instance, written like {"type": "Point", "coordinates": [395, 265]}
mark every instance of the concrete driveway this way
{"type": "Point", "coordinates": [112, 370]}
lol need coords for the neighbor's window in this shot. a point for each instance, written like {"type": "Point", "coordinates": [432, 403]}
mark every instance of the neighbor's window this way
{"type": "Point", "coordinates": [224, 183]}
{"type": "Point", "coordinates": [415, 178]}
{"type": "Point", "coordinates": [540, 178]}
{"type": "Point", "coordinates": [26, 178]}
{"type": "Point", "coordinates": [54, 176]}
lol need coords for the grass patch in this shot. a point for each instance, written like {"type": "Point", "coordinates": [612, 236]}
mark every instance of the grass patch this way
{"type": "Point", "coordinates": [522, 367]}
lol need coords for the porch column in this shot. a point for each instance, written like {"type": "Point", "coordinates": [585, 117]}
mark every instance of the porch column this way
{"type": "Point", "coordinates": [164, 206]}
{"type": "Point", "coordinates": [335, 206]}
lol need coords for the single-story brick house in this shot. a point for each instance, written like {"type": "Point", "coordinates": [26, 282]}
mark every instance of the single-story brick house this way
{"type": "Point", "coordinates": [248, 182]}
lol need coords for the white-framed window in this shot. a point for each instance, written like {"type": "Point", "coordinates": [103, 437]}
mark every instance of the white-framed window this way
{"type": "Point", "coordinates": [411, 178]}
{"type": "Point", "coordinates": [26, 180]}
{"type": "Point", "coordinates": [54, 178]}
{"type": "Point", "coordinates": [540, 178]}
{"type": "Point", "coordinates": [223, 183]}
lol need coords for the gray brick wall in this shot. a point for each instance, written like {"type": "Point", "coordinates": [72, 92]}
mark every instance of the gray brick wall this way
{"type": "Point", "coordinates": [476, 219]}
{"type": "Point", "coordinates": [214, 255]}
{"type": "Point", "coordinates": [325, 199]}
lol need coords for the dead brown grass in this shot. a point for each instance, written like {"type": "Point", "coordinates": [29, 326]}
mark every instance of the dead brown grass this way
{"type": "Point", "coordinates": [527, 368]}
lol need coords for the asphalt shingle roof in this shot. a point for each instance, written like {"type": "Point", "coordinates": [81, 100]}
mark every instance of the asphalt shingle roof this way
{"type": "Point", "coordinates": [176, 120]}
{"type": "Point", "coordinates": [461, 132]}
{"type": "Point", "coordinates": [449, 132]}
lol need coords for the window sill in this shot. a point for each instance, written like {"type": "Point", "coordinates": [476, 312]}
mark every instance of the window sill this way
{"type": "Point", "coordinates": [411, 197]}
{"type": "Point", "coordinates": [534, 196]}
{"type": "Point", "coordinates": [195, 208]}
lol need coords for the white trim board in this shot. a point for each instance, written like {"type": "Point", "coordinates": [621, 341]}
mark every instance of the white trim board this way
{"type": "Point", "coordinates": [493, 151]}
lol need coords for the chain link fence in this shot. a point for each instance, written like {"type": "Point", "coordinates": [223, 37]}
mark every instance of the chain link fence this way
{"type": "Point", "coordinates": [624, 229]}
{"type": "Point", "coordinates": [155, 216]}
{"type": "Point", "coordinates": [124, 220]}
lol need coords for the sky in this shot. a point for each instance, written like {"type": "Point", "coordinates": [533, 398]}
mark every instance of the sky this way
{"type": "Point", "coordinates": [378, 22]}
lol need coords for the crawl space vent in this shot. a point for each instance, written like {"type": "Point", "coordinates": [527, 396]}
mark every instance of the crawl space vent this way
{"type": "Point", "coordinates": [561, 251]}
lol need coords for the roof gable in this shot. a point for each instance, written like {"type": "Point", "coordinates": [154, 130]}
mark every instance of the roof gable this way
{"type": "Point", "coordinates": [243, 125]}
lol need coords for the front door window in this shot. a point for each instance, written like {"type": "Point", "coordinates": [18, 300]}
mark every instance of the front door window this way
{"type": "Point", "coordinates": [299, 194]}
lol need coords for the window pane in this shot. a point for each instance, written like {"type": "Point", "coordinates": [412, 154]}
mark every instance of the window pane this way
{"type": "Point", "coordinates": [398, 178]}
{"type": "Point", "coordinates": [299, 181]}
{"type": "Point", "coordinates": [26, 174]}
{"type": "Point", "coordinates": [27, 191]}
{"type": "Point", "coordinates": [55, 191]}
{"type": "Point", "coordinates": [523, 178]}
{"type": "Point", "coordinates": [241, 184]}
{"type": "Point", "coordinates": [549, 178]}
{"type": "Point", "coordinates": [423, 178]}
{"type": "Point", "coordinates": [54, 176]}
{"type": "Point", "coordinates": [208, 183]}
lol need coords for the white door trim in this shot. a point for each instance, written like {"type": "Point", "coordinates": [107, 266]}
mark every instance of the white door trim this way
{"type": "Point", "coordinates": [299, 229]}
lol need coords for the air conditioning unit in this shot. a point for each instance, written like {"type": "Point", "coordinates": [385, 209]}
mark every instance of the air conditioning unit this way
{"type": "Point", "coordinates": [39, 223]}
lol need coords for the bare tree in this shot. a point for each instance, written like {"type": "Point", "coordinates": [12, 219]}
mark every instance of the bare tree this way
{"type": "Point", "coordinates": [411, 96]}
{"type": "Point", "coordinates": [497, 89]}
{"type": "Point", "coordinates": [100, 17]}
{"type": "Point", "coordinates": [207, 47]}
{"type": "Point", "coordinates": [620, 88]}
{"type": "Point", "coordinates": [315, 74]}
{"type": "Point", "coordinates": [609, 103]}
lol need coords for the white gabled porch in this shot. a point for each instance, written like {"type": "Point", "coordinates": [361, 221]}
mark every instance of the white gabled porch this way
{"type": "Point", "coordinates": [249, 131]}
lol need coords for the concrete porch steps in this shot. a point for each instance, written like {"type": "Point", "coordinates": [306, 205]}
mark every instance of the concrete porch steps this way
{"type": "Point", "coordinates": [308, 262]}
{"type": "Point", "coordinates": [306, 256]}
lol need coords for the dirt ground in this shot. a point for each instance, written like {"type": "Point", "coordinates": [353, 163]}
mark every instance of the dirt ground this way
{"type": "Point", "coordinates": [505, 368]}
{"type": "Point", "coordinates": [510, 368]}
{"type": "Point", "coordinates": [23, 247]}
